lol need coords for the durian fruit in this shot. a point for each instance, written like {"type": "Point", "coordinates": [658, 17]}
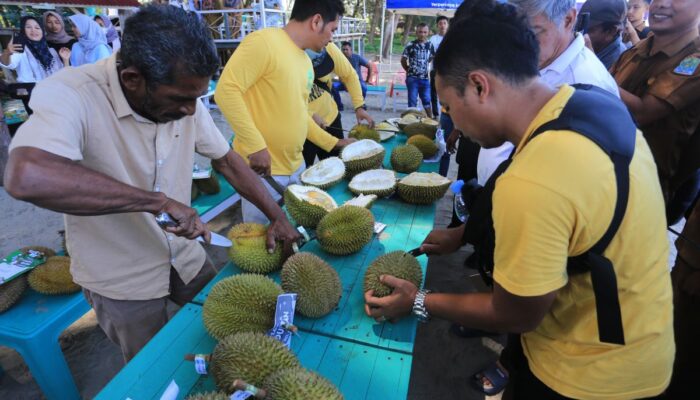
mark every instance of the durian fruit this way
{"type": "Point", "coordinates": [409, 119]}
{"type": "Point", "coordinates": [361, 131]}
{"type": "Point", "coordinates": [397, 263]}
{"type": "Point", "coordinates": [316, 284]}
{"type": "Point", "coordinates": [362, 200]}
{"type": "Point", "coordinates": [406, 158]}
{"type": "Point", "coordinates": [385, 135]}
{"type": "Point", "coordinates": [308, 204]}
{"type": "Point", "coordinates": [362, 155]}
{"type": "Point", "coordinates": [209, 396]}
{"type": "Point", "coordinates": [299, 384]}
{"type": "Point", "coordinates": [53, 277]}
{"type": "Point", "coordinates": [426, 145]}
{"type": "Point", "coordinates": [345, 230]}
{"type": "Point", "coordinates": [41, 249]}
{"type": "Point", "coordinates": [324, 173]}
{"type": "Point", "coordinates": [208, 185]}
{"type": "Point", "coordinates": [249, 249]}
{"type": "Point", "coordinates": [381, 182]}
{"type": "Point", "coordinates": [10, 292]}
{"type": "Point", "coordinates": [194, 191]}
{"type": "Point", "coordinates": [241, 303]}
{"type": "Point", "coordinates": [415, 112]}
{"type": "Point", "coordinates": [248, 356]}
{"type": "Point", "coordinates": [422, 188]}
{"type": "Point", "coordinates": [426, 127]}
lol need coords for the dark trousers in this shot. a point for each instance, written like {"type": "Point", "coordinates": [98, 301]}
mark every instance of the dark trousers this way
{"type": "Point", "coordinates": [339, 86]}
{"type": "Point", "coordinates": [311, 150]}
{"type": "Point", "coordinates": [433, 93]}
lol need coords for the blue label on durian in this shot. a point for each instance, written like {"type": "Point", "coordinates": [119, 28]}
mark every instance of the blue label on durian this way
{"type": "Point", "coordinates": [284, 318]}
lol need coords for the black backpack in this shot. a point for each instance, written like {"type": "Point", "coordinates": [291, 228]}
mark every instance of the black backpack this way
{"type": "Point", "coordinates": [604, 119]}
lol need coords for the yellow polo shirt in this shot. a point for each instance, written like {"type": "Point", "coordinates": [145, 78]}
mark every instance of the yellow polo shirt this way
{"type": "Point", "coordinates": [321, 102]}
{"type": "Point", "coordinates": [555, 201]}
{"type": "Point", "coordinates": [263, 93]}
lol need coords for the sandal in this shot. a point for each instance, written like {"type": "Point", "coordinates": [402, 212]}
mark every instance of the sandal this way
{"type": "Point", "coordinates": [491, 381]}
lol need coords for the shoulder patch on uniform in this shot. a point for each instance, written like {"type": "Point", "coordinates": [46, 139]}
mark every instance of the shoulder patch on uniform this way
{"type": "Point", "coordinates": [688, 66]}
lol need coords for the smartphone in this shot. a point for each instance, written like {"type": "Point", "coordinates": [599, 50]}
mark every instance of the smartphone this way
{"type": "Point", "coordinates": [17, 39]}
{"type": "Point", "coordinates": [582, 22]}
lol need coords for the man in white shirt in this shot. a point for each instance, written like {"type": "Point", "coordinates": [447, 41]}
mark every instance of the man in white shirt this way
{"type": "Point", "coordinates": [442, 24]}
{"type": "Point", "coordinates": [564, 58]}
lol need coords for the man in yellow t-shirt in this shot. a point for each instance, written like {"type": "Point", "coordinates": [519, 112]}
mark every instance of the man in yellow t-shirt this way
{"type": "Point", "coordinates": [263, 93]}
{"type": "Point", "coordinates": [555, 201]}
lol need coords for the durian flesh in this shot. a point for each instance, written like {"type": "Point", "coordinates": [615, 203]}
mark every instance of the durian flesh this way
{"type": "Point", "coordinates": [324, 173]}
{"type": "Point", "coordinates": [380, 182]}
{"type": "Point", "coordinates": [308, 204]}
{"type": "Point", "coordinates": [422, 188]}
{"type": "Point", "coordinates": [362, 200]}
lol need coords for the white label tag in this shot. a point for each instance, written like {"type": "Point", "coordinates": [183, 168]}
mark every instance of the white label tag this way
{"type": "Point", "coordinates": [379, 227]}
{"type": "Point", "coordinates": [241, 395]}
{"type": "Point", "coordinates": [171, 392]}
{"type": "Point", "coordinates": [284, 316]}
{"type": "Point", "coordinates": [200, 365]}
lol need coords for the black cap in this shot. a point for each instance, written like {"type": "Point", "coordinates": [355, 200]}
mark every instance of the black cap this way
{"type": "Point", "coordinates": [601, 11]}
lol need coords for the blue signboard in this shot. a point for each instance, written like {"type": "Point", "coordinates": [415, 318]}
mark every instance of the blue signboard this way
{"type": "Point", "coordinates": [435, 4]}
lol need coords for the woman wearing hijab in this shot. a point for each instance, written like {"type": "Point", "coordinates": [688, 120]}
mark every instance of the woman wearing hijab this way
{"type": "Point", "coordinates": [56, 35]}
{"type": "Point", "coordinates": [92, 42]}
{"type": "Point", "coordinates": [32, 58]}
{"type": "Point", "coordinates": [110, 31]}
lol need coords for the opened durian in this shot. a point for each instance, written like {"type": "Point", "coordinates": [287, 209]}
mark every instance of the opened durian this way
{"type": "Point", "coordinates": [10, 292]}
{"type": "Point", "coordinates": [251, 357]}
{"type": "Point", "coordinates": [241, 303]}
{"type": "Point", "coordinates": [426, 127]}
{"type": "Point", "coordinates": [408, 119]}
{"type": "Point", "coordinates": [53, 277]}
{"type": "Point", "coordinates": [300, 384]}
{"type": "Point", "coordinates": [424, 144]}
{"type": "Point", "coordinates": [308, 204]}
{"type": "Point", "coordinates": [345, 230]}
{"type": "Point", "coordinates": [362, 200]}
{"type": "Point", "coordinates": [316, 284]}
{"type": "Point", "coordinates": [422, 188]}
{"type": "Point", "coordinates": [362, 155]}
{"type": "Point", "coordinates": [386, 130]}
{"type": "Point", "coordinates": [398, 264]}
{"type": "Point", "coordinates": [361, 131]}
{"type": "Point", "coordinates": [406, 158]}
{"type": "Point", "coordinates": [414, 112]}
{"type": "Point", "coordinates": [324, 173]}
{"type": "Point", "coordinates": [249, 249]}
{"type": "Point", "coordinates": [380, 182]}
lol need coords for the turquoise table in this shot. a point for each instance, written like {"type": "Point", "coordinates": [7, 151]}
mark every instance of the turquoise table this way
{"type": "Point", "coordinates": [208, 206]}
{"type": "Point", "coordinates": [32, 327]}
{"type": "Point", "coordinates": [360, 371]}
{"type": "Point", "coordinates": [366, 360]}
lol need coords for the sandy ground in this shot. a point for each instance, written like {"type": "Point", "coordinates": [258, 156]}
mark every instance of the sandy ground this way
{"type": "Point", "coordinates": [442, 366]}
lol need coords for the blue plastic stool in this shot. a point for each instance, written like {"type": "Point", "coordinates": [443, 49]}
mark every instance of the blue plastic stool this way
{"type": "Point", "coordinates": [32, 327]}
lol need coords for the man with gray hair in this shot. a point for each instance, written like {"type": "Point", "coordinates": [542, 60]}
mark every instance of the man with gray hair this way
{"type": "Point", "coordinates": [563, 59]}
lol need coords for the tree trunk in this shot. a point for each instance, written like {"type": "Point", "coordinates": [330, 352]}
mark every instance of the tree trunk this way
{"type": "Point", "coordinates": [407, 28]}
{"type": "Point", "coordinates": [376, 19]}
{"type": "Point", "coordinates": [388, 36]}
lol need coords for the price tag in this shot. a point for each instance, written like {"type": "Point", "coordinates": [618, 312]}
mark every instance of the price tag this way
{"type": "Point", "coordinates": [200, 364]}
{"type": "Point", "coordinates": [171, 392]}
{"type": "Point", "coordinates": [284, 316]}
{"type": "Point", "coordinates": [241, 395]}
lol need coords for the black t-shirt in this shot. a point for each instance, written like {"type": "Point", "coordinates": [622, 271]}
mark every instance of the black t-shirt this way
{"type": "Point", "coordinates": [419, 56]}
{"type": "Point", "coordinates": [59, 46]}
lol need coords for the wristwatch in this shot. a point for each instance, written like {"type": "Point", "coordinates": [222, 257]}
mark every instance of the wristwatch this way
{"type": "Point", "coordinates": [419, 310]}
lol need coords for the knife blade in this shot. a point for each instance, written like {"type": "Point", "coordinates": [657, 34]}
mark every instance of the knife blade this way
{"type": "Point", "coordinates": [415, 252]}
{"type": "Point", "coordinates": [165, 220]}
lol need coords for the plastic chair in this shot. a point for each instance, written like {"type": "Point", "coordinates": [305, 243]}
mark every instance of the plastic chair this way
{"type": "Point", "coordinates": [32, 327]}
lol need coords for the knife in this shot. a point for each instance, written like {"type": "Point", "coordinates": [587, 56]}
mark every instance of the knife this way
{"type": "Point", "coordinates": [165, 220]}
{"type": "Point", "coordinates": [415, 252]}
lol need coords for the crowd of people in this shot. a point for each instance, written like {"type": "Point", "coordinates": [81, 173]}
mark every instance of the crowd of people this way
{"type": "Point", "coordinates": [580, 136]}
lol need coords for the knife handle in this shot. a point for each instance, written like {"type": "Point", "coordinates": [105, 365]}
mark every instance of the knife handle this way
{"type": "Point", "coordinates": [165, 220]}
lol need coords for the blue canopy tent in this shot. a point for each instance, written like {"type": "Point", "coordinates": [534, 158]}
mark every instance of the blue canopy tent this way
{"type": "Point", "coordinates": [416, 7]}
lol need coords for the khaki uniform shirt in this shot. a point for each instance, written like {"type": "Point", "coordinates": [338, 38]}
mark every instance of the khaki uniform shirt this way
{"type": "Point", "coordinates": [82, 114]}
{"type": "Point", "coordinates": [660, 74]}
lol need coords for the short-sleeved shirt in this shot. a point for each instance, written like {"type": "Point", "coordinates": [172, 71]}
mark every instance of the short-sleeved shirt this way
{"type": "Point", "coordinates": [555, 201]}
{"type": "Point", "coordinates": [419, 56]}
{"type": "Point", "coordinates": [673, 76]}
{"type": "Point", "coordinates": [358, 61]}
{"type": "Point", "coordinates": [82, 114]}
